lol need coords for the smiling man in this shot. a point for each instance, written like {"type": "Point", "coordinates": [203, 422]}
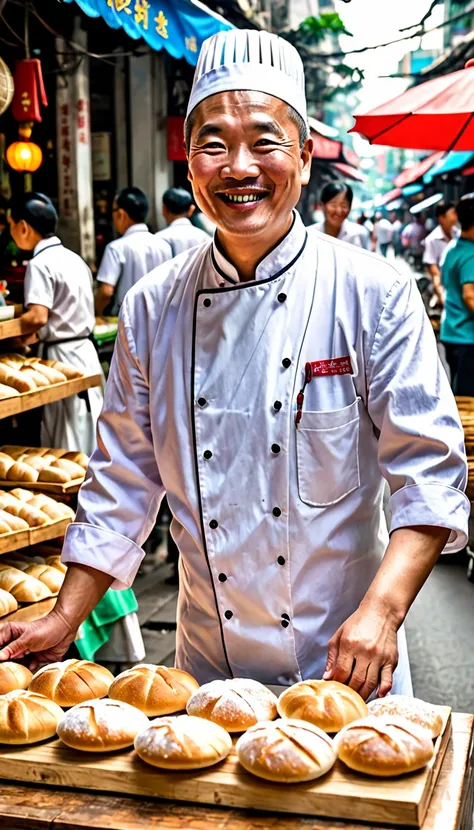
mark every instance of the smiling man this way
{"type": "Point", "coordinates": [268, 382]}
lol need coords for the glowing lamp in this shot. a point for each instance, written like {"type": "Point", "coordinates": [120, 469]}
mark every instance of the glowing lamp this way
{"type": "Point", "coordinates": [24, 156]}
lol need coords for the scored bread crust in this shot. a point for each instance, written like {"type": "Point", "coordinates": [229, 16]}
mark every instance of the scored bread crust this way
{"type": "Point", "coordinates": [183, 742]}
{"type": "Point", "coordinates": [155, 690]}
{"type": "Point", "coordinates": [384, 747]}
{"type": "Point", "coordinates": [324, 703]}
{"type": "Point", "coordinates": [13, 676]}
{"type": "Point", "coordinates": [101, 725]}
{"type": "Point", "coordinates": [286, 751]}
{"type": "Point", "coordinates": [26, 717]}
{"type": "Point", "coordinates": [235, 704]}
{"type": "Point", "coordinates": [412, 708]}
{"type": "Point", "coordinates": [72, 681]}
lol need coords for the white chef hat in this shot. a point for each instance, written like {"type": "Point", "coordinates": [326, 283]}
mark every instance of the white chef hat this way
{"type": "Point", "coordinates": [249, 59]}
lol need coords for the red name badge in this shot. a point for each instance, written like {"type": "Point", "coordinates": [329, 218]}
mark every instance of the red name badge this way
{"type": "Point", "coordinates": [336, 366]}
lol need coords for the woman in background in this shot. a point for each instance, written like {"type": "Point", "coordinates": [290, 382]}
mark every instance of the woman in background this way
{"type": "Point", "coordinates": [336, 200]}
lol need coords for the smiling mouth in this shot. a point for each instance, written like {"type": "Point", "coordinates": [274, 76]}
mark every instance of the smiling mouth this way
{"type": "Point", "coordinates": [233, 198]}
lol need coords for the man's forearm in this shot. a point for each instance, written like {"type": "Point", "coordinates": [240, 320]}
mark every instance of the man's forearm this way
{"type": "Point", "coordinates": [82, 589]}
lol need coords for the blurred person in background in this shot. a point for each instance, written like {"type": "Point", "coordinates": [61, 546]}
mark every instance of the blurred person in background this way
{"type": "Point", "coordinates": [180, 233]}
{"type": "Point", "coordinates": [397, 226]}
{"type": "Point", "coordinates": [382, 235]}
{"type": "Point", "coordinates": [413, 236]}
{"type": "Point", "coordinates": [127, 259]}
{"type": "Point", "coordinates": [436, 243]}
{"type": "Point", "coordinates": [336, 200]}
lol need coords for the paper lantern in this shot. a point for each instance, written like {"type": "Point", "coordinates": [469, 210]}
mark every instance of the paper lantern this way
{"type": "Point", "coordinates": [24, 156]}
{"type": "Point", "coordinates": [6, 87]}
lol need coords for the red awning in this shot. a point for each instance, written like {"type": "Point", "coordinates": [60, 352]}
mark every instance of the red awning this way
{"type": "Point", "coordinates": [389, 197]}
{"type": "Point", "coordinates": [325, 149]}
{"type": "Point", "coordinates": [350, 156]}
{"type": "Point", "coordinates": [418, 170]}
{"type": "Point", "coordinates": [468, 171]}
{"type": "Point", "coordinates": [350, 172]}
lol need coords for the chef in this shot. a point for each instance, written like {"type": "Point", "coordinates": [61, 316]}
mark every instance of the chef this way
{"type": "Point", "coordinates": [268, 382]}
{"type": "Point", "coordinates": [180, 233]}
{"type": "Point", "coordinates": [60, 307]}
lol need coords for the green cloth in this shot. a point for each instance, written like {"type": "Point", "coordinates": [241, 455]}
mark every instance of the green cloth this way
{"type": "Point", "coordinates": [457, 325]}
{"type": "Point", "coordinates": [96, 629]}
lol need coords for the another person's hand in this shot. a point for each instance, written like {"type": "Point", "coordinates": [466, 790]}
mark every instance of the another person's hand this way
{"type": "Point", "coordinates": [46, 640]}
{"type": "Point", "coordinates": [363, 653]}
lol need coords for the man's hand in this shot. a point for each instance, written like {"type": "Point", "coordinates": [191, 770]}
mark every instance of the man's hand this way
{"type": "Point", "coordinates": [46, 640]}
{"type": "Point", "coordinates": [363, 652]}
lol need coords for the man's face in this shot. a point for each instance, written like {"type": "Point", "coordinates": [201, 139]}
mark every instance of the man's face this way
{"type": "Point", "coordinates": [245, 163]}
{"type": "Point", "coordinates": [449, 219]}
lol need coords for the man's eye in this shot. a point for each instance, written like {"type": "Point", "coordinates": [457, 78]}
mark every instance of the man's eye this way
{"type": "Point", "coordinates": [264, 142]}
{"type": "Point", "coordinates": [213, 145]}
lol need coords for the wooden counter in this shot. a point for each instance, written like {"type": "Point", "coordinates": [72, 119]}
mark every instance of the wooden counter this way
{"type": "Point", "coordinates": [40, 808]}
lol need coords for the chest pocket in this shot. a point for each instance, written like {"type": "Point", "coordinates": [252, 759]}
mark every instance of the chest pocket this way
{"type": "Point", "coordinates": [327, 449]}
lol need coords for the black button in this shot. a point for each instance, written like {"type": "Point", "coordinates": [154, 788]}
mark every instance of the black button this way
{"type": "Point", "coordinates": [285, 623]}
{"type": "Point", "coordinates": [276, 511]}
{"type": "Point", "coordinates": [202, 401]}
{"type": "Point", "coordinates": [277, 405]}
{"type": "Point", "coordinates": [275, 449]}
{"type": "Point", "coordinates": [207, 302]}
{"type": "Point", "coordinates": [285, 617]}
{"type": "Point", "coordinates": [281, 298]}
{"type": "Point", "coordinates": [281, 560]}
{"type": "Point", "coordinates": [222, 578]}
{"type": "Point", "coordinates": [228, 615]}
{"type": "Point", "coordinates": [213, 524]}
{"type": "Point", "coordinates": [207, 454]}
{"type": "Point", "coordinates": [286, 362]}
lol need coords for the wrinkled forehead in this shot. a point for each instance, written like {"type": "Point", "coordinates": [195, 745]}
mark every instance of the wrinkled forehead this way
{"type": "Point", "coordinates": [242, 105]}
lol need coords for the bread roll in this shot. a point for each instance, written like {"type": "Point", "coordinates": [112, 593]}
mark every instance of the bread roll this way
{"type": "Point", "coordinates": [50, 577]}
{"type": "Point", "coordinates": [7, 392]}
{"type": "Point", "coordinates": [13, 450]}
{"type": "Point", "coordinates": [19, 381]}
{"type": "Point", "coordinates": [72, 682]}
{"type": "Point", "coordinates": [51, 508]}
{"type": "Point", "coordinates": [155, 690]}
{"type": "Point", "coordinates": [182, 743]}
{"type": "Point", "coordinates": [101, 725]}
{"type": "Point", "coordinates": [22, 472]}
{"type": "Point", "coordinates": [13, 676]}
{"type": "Point", "coordinates": [411, 708]}
{"type": "Point", "coordinates": [14, 522]}
{"type": "Point", "coordinates": [52, 375]}
{"type": "Point", "coordinates": [21, 494]}
{"type": "Point", "coordinates": [286, 751]}
{"type": "Point", "coordinates": [55, 562]}
{"type": "Point", "coordinates": [78, 457]}
{"type": "Point", "coordinates": [26, 718]}
{"type": "Point", "coordinates": [23, 587]}
{"type": "Point", "coordinates": [8, 603]}
{"type": "Point", "coordinates": [37, 462]}
{"type": "Point", "coordinates": [39, 379]}
{"type": "Point", "coordinates": [7, 498]}
{"type": "Point", "coordinates": [54, 475]}
{"type": "Point", "coordinates": [5, 466]}
{"type": "Point", "coordinates": [234, 704]}
{"type": "Point", "coordinates": [384, 746]}
{"type": "Point", "coordinates": [324, 703]}
{"type": "Point", "coordinates": [66, 370]}
{"type": "Point", "coordinates": [12, 359]}
{"type": "Point", "coordinates": [34, 517]}
{"type": "Point", "coordinates": [4, 528]}
{"type": "Point", "coordinates": [75, 470]}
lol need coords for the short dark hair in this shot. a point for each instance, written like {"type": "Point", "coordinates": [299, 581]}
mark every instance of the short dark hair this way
{"type": "Point", "coordinates": [332, 189]}
{"type": "Point", "coordinates": [465, 211]}
{"type": "Point", "coordinates": [177, 200]}
{"type": "Point", "coordinates": [443, 207]}
{"type": "Point", "coordinates": [134, 202]}
{"type": "Point", "coordinates": [38, 212]}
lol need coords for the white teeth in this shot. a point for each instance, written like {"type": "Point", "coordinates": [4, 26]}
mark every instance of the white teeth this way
{"type": "Point", "coordinates": [247, 198]}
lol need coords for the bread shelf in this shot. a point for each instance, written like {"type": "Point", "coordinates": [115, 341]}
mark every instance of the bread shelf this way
{"type": "Point", "coordinates": [66, 489]}
{"type": "Point", "coordinates": [24, 538]}
{"type": "Point", "coordinates": [32, 612]}
{"type": "Point", "coordinates": [47, 394]}
{"type": "Point", "coordinates": [14, 328]}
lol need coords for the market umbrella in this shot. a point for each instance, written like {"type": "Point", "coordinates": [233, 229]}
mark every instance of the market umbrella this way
{"type": "Point", "coordinates": [436, 115]}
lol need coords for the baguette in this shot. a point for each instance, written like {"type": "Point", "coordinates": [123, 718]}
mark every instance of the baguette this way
{"type": "Point", "coordinates": [22, 472]}
{"type": "Point", "coordinates": [53, 375]}
{"type": "Point", "coordinates": [7, 391]}
{"type": "Point", "coordinates": [14, 522]}
{"type": "Point", "coordinates": [54, 475]}
{"type": "Point", "coordinates": [39, 379]}
{"type": "Point", "coordinates": [8, 603]}
{"type": "Point", "coordinates": [17, 380]}
{"type": "Point", "coordinates": [75, 470]}
{"type": "Point", "coordinates": [23, 587]}
{"type": "Point", "coordinates": [70, 372]}
{"type": "Point", "coordinates": [34, 517]}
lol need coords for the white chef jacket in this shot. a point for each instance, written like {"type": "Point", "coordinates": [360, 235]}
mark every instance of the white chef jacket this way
{"type": "Point", "coordinates": [60, 280]}
{"type": "Point", "coordinates": [181, 235]}
{"type": "Point", "coordinates": [350, 232]}
{"type": "Point", "coordinates": [435, 245]}
{"type": "Point", "coordinates": [127, 259]}
{"type": "Point", "coordinates": [281, 530]}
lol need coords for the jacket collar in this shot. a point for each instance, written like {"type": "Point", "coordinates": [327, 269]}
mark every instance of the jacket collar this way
{"type": "Point", "coordinates": [138, 228]}
{"type": "Point", "coordinates": [182, 220]}
{"type": "Point", "coordinates": [274, 263]}
{"type": "Point", "coordinates": [50, 242]}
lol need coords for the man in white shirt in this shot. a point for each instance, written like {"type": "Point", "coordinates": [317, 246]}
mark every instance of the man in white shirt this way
{"type": "Point", "coordinates": [436, 243]}
{"type": "Point", "coordinates": [268, 382]}
{"type": "Point", "coordinates": [128, 259]}
{"type": "Point", "coordinates": [181, 235]}
{"type": "Point", "coordinates": [383, 233]}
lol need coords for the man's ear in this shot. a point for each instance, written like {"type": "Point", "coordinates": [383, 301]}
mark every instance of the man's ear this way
{"type": "Point", "coordinates": [306, 159]}
{"type": "Point", "coordinates": [191, 211]}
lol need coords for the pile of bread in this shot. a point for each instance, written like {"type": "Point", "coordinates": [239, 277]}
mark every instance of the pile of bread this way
{"type": "Point", "coordinates": [386, 738]}
{"type": "Point", "coordinates": [25, 510]}
{"type": "Point", "coordinates": [20, 374]}
{"type": "Point", "coordinates": [26, 579]}
{"type": "Point", "coordinates": [41, 464]}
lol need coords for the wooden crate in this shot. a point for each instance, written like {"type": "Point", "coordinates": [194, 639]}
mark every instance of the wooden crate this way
{"type": "Point", "coordinates": [47, 394]}
{"type": "Point", "coordinates": [67, 489]}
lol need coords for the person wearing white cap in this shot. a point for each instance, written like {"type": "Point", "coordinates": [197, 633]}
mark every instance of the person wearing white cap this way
{"type": "Point", "coordinates": [268, 381]}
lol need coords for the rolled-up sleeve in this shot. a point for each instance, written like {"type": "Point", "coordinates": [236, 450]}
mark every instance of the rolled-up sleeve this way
{"type": "Point", "coordinates": [119, 501]}
{"type": "Point", "coordinates": [421, 442]}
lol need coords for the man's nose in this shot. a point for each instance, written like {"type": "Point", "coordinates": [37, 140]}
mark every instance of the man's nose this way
{"type": "Point", "coordinates": [241, 164]}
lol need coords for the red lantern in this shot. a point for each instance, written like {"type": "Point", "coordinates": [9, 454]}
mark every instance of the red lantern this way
{"type": "Point", "coordinates": [24, 156]}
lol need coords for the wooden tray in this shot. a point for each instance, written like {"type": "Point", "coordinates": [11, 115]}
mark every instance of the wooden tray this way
{"type": "Point", "coordinates": [66, 489]}
{"type": "Point", "coordinates": [24, 538]}
{"type": "Point", "coordinates": [14, 328]}
{"type": "Point", "coordinates": [47, 394]}
{"type": "Point", "coordinates": [341, 794]}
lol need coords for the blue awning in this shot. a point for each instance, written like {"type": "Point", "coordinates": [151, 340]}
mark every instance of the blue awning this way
{"type": "Point", "coordinates": [412, 189]}
{"type": "Point", "coordinates": [451, 161]}
{"type": "Point", "coordinates": [179, 26]}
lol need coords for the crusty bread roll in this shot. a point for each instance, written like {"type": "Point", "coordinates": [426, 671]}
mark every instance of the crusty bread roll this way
{"type": "Point", "coordinates": [183, 742]}
{"type": "Point", "coordinates": [13, 676]}
{"type": "Point", "coordinates": [23, 495]}
{"type": "Point", "coordinates": [72, 682]}
{"type": "Point", "coordinates": [74, 470]}
{"type": "Point", "coordinates": [156, 690]}
{"type": "Point", "coordinates": [50, 577]}
{"type": "Point", "coordinates": [55, 562]}
{"type": "Point", "coordinates": [8, 603]}
{"type": "Point", "coordinates": [26, 718]}
{"type": "Point", "coordinates": [415, 710]}
{"type": "Point", "coordinates": [4, 528]}
{"type": "Point", "coordinates": [14, 522]}
{"type": "Point", "coordinates": [22, 472]}
{"type": "Point", "coordinates": [16, 361]}
{"type": "Point", "coordinates": [34, 517]}
{"type": "Point", "coordinates": [37, 377]}
{"type": "Point", "coordinates": [23, 587]}
{"type": "Point", "coordinates": [286, 751]}
{"type": "Point", "coordinates": [234, 704]}
{"type": "Point", "coordinates": [51, 508]}
{"type": "Point", "coordinates": [78, 457]}
{"type": "Point", "coordinates": [37, 462]}
{"type": "Point", "coordinates": [384, 746]}
{"type": "Point", "coordinates": [101, 725]}
{"type": "Point", "coordinates": [7, 392]}
{"type": "Point", "coordinates": [54, 475]}
{"type": "Point", "coordinates": [7, 498]}
{"type": "Point", "coordinates": [14, 378]}
{"type": "Point", "coordinates": [5, 465]}
{"type": "Point", "coordinates": [66, 370]}
{"type": "Point", "coordinates": [324, 703]}
{"type": "Point", "coordinates": [52, 375]}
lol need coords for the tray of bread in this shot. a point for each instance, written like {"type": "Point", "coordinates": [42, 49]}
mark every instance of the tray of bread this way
{"type": "Point", "coordinates": [28, 517]}
{"type": "Point", "coordinates": [20, 375]}
{"type": "Point", "coordinates": [26, 580]}
{"type": "Point", "coordinates": [315, 748]}
{"type": "Point", "coordinates": [49, 470]}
